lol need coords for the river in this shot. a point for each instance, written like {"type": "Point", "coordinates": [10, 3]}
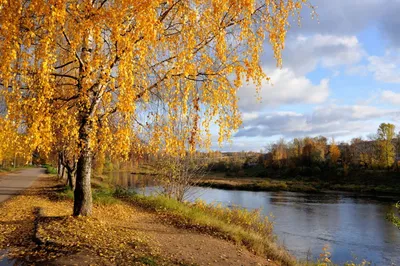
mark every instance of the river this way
{"type": "Point", "coordinates": [353, 226]}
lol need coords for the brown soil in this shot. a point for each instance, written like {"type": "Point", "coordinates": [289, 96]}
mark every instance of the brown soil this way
{"type": "Point", "coordinates": [116, 234]}
{"type": "Point", "coordinates": [195, 248]}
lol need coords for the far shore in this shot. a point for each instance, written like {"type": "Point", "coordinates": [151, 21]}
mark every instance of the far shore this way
{"type": "Point", "coordinates": [293, 185]}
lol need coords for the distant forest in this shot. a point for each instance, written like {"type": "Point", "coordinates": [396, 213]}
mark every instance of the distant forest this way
{"type": "Point", "coordinates": [311, 155]}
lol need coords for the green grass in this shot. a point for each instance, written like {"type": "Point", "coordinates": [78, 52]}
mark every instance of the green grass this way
{"type": "Point", "coordinates": [100, 195]}
{"type": "Point", "coordinates": [104, 196]}
{"type": "Point", "coordinates": [50, 169]}
{"type": "Point", "coordinates": [147, 261]}
{"type": "Point", "coordinates": [65, 193]}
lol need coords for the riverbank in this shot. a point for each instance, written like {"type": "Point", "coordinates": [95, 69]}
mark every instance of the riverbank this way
{"type": "Point", "coordinates": [128, 230]}
{"type": "Point", "coordinates": [307, 185]}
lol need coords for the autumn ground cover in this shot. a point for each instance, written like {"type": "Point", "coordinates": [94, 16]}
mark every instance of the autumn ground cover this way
{"type": "Point", "coordinates": [37, 226]}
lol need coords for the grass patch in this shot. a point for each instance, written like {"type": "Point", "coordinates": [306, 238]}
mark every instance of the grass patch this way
{"type": "Point", "coordinates": [66, 193]}
{"type": "Point", "coordinates": [236, 224]}
{"type": "Point", "coordinates": [102, 195]}
{"type": "Point", "coordinates": [272, 185]}
{"type": "Point", "coordinates": [303, 187]}
{"type": "Point", "coordinates": [50, 169]}
{"type": "Point", "coordinates": [6, 169]}
{"type": "Point", "coordinates": [148, 261]}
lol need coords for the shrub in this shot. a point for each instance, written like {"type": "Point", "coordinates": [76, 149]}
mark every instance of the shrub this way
{"type": "Point", "coordinates": [275, 185]}
{"type": "Point", "coordinates": [340, 172]}
{"type": "Point", "coordinates": [316, 170]}
{"type": "Point", "coordinates": [306, 171]}
{"type": "Point", "coordinates": [235, 166]}
{"type": "Point", "coordinates": [395, 219]}
{"type": "Point", "coordinates": [295, 171]}
{"type": "Point", "coordinates": [50, 169]}
{"type": "Point", "coordinates": [219, 166]}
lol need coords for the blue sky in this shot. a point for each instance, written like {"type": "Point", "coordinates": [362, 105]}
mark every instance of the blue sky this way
{"type": "Point", "coordinates": [340, 77]}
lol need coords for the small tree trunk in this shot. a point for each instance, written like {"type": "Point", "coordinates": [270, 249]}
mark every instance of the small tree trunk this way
{"type": "Point", "coordinates": [62, 173]}
{"type": "Point", "coordinates": [71, 178]}
{"type": "Point", "coordinates": [59, 166]}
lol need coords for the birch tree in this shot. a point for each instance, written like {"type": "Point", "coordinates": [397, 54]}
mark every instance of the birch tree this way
{"type": "Point", "coordinates": [87, 62]}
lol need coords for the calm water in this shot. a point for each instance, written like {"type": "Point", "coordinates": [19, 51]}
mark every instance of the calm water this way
{"type": "Point", "coordinates": [353, 226]}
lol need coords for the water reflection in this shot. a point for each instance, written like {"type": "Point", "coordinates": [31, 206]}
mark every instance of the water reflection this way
{"type": "Point", "coordinates": [128, 180]}
{"type": "Point", "coordinates": [354, 226]}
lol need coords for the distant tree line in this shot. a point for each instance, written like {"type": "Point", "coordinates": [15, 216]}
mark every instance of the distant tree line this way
{"type": "Point", "coordinates": [379, 151]}
{"type": "Point", "coordinates": [311, 155]}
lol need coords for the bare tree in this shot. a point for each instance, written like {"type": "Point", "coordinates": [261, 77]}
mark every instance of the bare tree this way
{"type": "Point", "coordinates": [180, 175]}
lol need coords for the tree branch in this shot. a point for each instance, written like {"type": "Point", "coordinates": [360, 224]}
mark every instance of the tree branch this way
{"type": "Point", "coordinates": [64, 65]}
{"type": "Point", "coordinates": [64, 76]}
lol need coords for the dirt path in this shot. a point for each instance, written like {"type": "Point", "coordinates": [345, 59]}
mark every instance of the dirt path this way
{"type": "Point", "coordinates": [13, 183]}
{"type": "Point", "coordinates": [191, 247]}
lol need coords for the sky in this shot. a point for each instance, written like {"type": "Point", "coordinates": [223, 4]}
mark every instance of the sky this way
{"type": "Point", "coordinates": [340, 77]}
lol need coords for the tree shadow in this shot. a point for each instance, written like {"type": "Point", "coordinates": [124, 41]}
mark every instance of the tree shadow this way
{"type": "Point", "coordinates": [28, 247]}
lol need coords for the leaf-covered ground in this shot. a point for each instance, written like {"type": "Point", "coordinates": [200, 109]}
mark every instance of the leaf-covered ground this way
{"type": "Point", "coordinates": [116, 234]}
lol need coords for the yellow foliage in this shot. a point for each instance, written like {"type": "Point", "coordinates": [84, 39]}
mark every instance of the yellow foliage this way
{"type": "Point", "coordinates": [113, 74]}
{"type": "Point", "coordinates": [334, 152]}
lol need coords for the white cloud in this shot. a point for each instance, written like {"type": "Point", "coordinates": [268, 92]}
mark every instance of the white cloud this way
{"type": "Point", "coordinates": [335, 50]}
{"type": "Point", "coordinates": [330, 120]}
{"type": "Point", "coordinates": [248, 116]}
{"type": "Point", "coordinates": [287, 88]}
{"type": "Point", "coordinates": [303, 54]}
{"type": "Point", "coordinates": [385, 68]}
{"type": "Point", "coordinates": [390, 97]}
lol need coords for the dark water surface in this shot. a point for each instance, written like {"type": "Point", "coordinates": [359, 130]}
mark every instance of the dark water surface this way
{"type": "Point", "coordinates": [353, 226]}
